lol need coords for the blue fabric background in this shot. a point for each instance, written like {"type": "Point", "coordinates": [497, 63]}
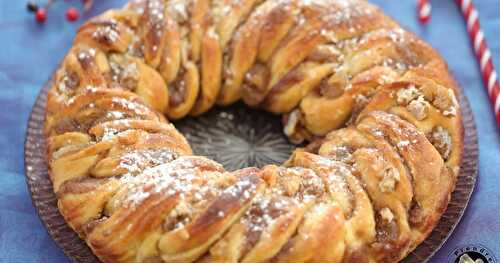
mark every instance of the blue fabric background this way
{"type": "Point", "coordinates": [29, 52]}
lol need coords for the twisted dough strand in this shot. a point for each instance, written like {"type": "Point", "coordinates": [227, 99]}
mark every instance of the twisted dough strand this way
{"type": "Point", "coordinates": [377, 104]}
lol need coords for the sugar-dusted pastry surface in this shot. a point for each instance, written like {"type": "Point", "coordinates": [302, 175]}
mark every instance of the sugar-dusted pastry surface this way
{"type": "Point", "coordinates": [376, 103]}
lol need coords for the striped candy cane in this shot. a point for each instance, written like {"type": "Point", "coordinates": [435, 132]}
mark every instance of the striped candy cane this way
{"type": "Point", "coordinates": [483, 54]}
{"type": "Point", "coordinates": [423, 11]}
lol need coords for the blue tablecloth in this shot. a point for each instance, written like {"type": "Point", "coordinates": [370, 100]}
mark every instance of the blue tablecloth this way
{"type": "Point", "coordinates": [29, 52]}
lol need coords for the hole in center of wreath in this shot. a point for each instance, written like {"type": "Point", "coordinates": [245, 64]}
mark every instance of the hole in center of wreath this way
{"type": "Point", "coordinates": [237, 137]}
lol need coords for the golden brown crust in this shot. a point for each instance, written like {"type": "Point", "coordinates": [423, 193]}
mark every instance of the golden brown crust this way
{"type": "Point", "coordinates": [377, 104]}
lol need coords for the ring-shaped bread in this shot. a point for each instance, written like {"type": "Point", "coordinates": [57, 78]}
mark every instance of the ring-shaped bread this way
{"type": "Point", "coordinates": [376, 103]}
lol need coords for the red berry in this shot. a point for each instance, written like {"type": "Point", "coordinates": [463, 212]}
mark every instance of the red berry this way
{"type": "Point", "coordinates": [72, 14]}
{"type": "Point", "coordinates": [41, 15]}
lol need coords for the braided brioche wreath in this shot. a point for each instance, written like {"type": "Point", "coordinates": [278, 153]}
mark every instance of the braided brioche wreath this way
{"type": "Point", "coordinates": [377, 105]}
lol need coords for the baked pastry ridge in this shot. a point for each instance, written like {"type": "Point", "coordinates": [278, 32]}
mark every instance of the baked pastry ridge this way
{"type": "Point", "coordinates": [377, 104]}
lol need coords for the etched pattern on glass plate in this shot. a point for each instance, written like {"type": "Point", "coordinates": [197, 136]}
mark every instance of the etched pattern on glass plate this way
{"type": "Point", "coordinates": [237, 137]}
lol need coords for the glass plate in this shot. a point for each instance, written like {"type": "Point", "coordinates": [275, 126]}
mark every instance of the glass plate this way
{"type": "Point", "coordinates": [236, 137]}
